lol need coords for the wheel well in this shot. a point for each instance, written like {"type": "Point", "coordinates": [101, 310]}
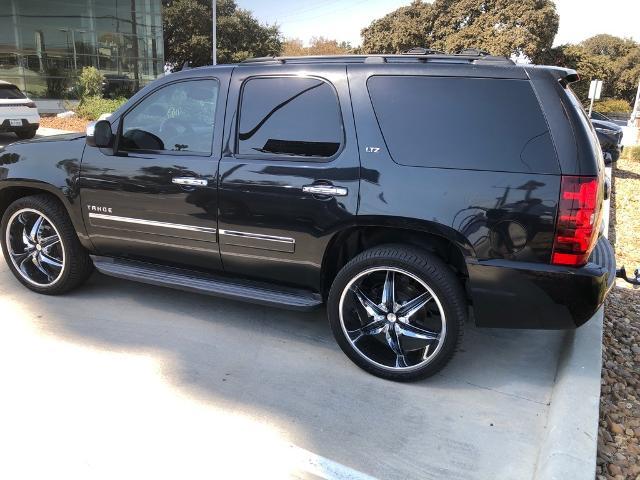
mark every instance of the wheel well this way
{"type": "Point", "coordinates": [11, 194]}
{"type": "Point", "coordinates": [349, 243]}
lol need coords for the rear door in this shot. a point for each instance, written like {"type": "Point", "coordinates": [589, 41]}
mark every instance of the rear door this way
{"type": "Point", "coordinates": [155, 196]}
{"type": "Point", "coordinates": [289, 174]}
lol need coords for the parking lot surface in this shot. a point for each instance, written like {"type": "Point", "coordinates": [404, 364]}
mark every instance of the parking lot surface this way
{"type": "Point", "coordinates": [123, 380]}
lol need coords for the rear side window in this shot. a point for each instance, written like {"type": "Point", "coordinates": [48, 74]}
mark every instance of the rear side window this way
{"type": "Point", "coordinates": [10, 92]}
{"type": "Point", "coordinates": [463, 123]}
{"type": "Point", "coordinates": [289, 116]}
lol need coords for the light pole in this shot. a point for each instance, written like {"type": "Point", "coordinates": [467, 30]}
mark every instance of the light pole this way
{"type": "Point", "coordinates": [213, 36]}
{"type": "Point", "coordinates": [73, 43]}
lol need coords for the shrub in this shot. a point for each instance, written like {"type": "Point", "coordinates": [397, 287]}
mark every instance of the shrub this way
{"type": "Point", "coordinates": [612, 105]}
{"type": "Point", "coordinates": [91, 81]}
{"type": "Point", "coordinates": [631, 153]}
{"type": "Point", "coordinates": [92, 107]}
{"type": "Point", "coordinates": [57, 82]}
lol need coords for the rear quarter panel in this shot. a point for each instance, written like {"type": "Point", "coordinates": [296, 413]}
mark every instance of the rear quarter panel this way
{"type": "Point", "coordinates": [488, 214]}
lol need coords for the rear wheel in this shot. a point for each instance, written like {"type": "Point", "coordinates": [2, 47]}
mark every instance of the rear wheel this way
{"type": "Point", "coordinates": [40, 246]}
{"type": "Point", "coordinates": [26, 134]}
{"type": "Point", "coordinates": [397, 312]}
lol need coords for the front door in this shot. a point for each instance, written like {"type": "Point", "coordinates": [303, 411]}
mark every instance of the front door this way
{"type": "Point", "coordinates": [155, 195]}
{"type": "Point", "coordinates": [289, 175]}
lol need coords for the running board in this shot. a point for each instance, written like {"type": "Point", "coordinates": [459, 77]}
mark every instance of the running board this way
{"type": "Point", "coordinates": [217, 285]}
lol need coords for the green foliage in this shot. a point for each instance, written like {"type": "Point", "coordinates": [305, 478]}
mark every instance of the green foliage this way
{"type": "Point", "coordinates": [628, 75]}
{"type": "Point", "coordinates": [57, 82]}
{"type": "Point", "coordinates": [631, 153]}
{"type": "Point", "coordinates": [612, 105]}
{"type": "Point", "coordinates": [90, 81]}
{"type": "Point", "coordinates": [615, 61]}
{"type": "Point", "coordinates": [187, 32]}
{"type": "Point", "coordinates": [501, 27]}
{"type": "Point", "coordinates": [317, 46]}
{"type": "Point", "coordinates": [608, 45]}
{"type": "Point", "coordinates": [92, 107]}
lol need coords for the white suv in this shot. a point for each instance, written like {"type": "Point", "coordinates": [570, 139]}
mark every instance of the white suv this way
{"type": "Point", "coordinates": [18, 113]}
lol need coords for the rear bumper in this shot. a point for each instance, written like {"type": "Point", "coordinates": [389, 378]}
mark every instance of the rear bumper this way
{"type": "Point", "coordinates": [29, 122]}
{"type": "Point", "coordinates": [531, 295]}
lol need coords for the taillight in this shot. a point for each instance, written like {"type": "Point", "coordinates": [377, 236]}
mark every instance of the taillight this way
{"type": "Point", "coordinates": [578, 221]}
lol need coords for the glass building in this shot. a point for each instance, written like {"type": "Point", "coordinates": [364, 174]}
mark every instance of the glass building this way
{"type": "Point", "coordinates": [44, 44]}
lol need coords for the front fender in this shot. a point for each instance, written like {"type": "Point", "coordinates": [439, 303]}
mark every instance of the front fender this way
{"type": "Point", "coordinates": [50, 165]}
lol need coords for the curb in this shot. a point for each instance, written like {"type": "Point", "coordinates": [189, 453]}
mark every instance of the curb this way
{"type": "Point", "coordinates": [569, 448]}
{"type": "Point", "coordinates": [47, 132]}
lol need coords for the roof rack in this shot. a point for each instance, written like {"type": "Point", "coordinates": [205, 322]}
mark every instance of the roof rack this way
{"type": "Point", "coordinates": [422, 51]}
{"type": "Point", "coordinates": [431, 56]}
{"type": "Point", "coordinates": [473, 51]}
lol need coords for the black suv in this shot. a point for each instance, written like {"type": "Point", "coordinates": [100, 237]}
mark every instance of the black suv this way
{"type": "Point", "coordinates": [406, 192]}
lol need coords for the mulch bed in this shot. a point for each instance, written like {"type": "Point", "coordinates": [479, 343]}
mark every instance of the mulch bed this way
{"type": "Point", "coordinates": [72, 124]}
{"type": "Point", "coordinates": [619, 432]}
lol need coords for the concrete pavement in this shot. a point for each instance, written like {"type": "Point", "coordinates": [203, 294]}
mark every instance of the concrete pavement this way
{"type": "Point", "coordinates": [123, 380]}
{"type": "Point", "coordinates": [128, 380]}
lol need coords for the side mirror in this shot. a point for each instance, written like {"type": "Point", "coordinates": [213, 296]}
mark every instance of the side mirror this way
{"type": "Point", "coordinates": [608, 159]}
{"type": "Point", "coordinates": [99, 134]}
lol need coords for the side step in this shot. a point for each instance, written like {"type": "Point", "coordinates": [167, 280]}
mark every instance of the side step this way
{"type": "Point", "coordinates": [217, 285]}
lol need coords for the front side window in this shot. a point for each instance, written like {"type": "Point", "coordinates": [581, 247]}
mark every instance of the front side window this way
{"type": "Point", "coordinates": [289, 116]}
{"type": "Point", "coordinates": [175, 118]}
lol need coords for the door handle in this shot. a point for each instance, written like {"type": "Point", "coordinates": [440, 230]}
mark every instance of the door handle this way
{"type": "Point", "coordinates": [325, 190]}
{"type": "Point", "coordinates": [193, 182]}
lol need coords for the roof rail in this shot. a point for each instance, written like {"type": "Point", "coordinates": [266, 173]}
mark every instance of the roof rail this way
{"type": "Point", "coordinates": [432, 56]}
{"type": "Point", "coordinates": [473, 51]}
{"type": "Point", "coordinates": [422, 51]}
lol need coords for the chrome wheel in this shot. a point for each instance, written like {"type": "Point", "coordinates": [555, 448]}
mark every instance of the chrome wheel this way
{"type": "Point", "coordinates": [392, 318]}
{"type": "Point", "coordinates": [35, 247]}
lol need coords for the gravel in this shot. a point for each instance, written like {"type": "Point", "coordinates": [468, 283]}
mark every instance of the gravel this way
{"type": "Point", "coordinates": [619, 429]}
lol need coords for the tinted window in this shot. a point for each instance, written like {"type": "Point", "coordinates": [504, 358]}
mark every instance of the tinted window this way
{"type": "Point", "coordinates": [178, 118]}
{"type": "Point", "coordinates": [10, 92]}
{"type": "Point", "coordinates": [466, 123]}
{"type": "Point", "coordinates": [599, 116]}
{"type": "Point", "coordinates": [289, 116]}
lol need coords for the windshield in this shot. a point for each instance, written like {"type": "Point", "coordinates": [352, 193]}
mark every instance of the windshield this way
{"type": "Point", "coordinates": [10, 92]}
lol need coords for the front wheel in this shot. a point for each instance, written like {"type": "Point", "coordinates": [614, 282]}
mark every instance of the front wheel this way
{"type": "Point", "coordinates": [40, 246]}
{"type": "Point", "coordinates": [397, 312]}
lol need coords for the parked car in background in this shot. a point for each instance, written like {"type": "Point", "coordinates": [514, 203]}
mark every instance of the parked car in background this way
{"type": "Point", "coordinates": [18, 113]}
{"type": "Point", "coordinates": [609, 135]}
{"type": "Point", "coordinates": [404, 191]}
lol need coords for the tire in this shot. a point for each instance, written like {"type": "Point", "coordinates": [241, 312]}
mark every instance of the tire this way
{"type": "Point", "coordinates": [26, 134]}
{"type": "Point", "coordinates": [391, 339]}
{"type": "Point", "coordinates": [60, 264]}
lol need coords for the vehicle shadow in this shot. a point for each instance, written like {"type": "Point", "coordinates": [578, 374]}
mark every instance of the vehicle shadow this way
{"type": "Point", "coordinates": [498, 359]}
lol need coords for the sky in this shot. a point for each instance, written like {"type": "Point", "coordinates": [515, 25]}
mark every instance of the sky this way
{"type": "Point", "coordinates": [343, 19]}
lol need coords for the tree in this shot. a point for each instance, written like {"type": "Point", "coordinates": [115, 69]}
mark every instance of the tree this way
{"type": "Point", "coordinates": [501, 27]}
{"type": "Point", "coordinates": [317, 46]}
{"type": "Point", "coordinates": [608, 45]}
{"type": "Point", "coordinates": [187, 32]}
{"type": "Point", "coordinates": [628, 69]}
{"type": "Point", "coordinates": [588, 66]}
{"type": "Point", "coordinates": [400, 30]}
{"type": "Point", "coordinates": [614, 60]}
